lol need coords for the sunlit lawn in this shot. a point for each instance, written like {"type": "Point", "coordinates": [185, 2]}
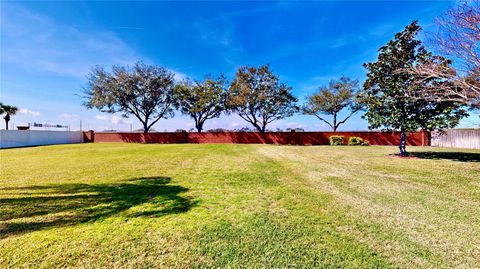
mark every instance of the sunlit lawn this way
{"type": "Point", "coordinates": [250, 206]}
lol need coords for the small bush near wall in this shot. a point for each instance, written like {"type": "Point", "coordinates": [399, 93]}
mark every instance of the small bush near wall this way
{"type": "Point", "coordinates": [336, 140]}
{"type": "Point", "coordinates": [357, 141]}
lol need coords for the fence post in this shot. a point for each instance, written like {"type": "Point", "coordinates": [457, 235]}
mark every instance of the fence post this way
{"type": "Point", "coordinates": [293, 140]}
{"type": "Point", "coordinates": [88, 136]}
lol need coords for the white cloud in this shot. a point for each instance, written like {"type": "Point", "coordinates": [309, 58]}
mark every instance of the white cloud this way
{"type": "Point", "coordinates": [114, 119]}
{"type": "Point", "coordinates": [28, 112]}
{"type": "Point", "coordinates": [101, 117]}
{"type": "Point", "coordinates": [178, 76]}
{"type": "Point", "coordinates": [294, 125]}
{"type": "Point", "coordinates": [120, 120]}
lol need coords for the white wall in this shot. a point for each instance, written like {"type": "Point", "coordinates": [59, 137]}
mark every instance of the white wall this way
{"type": "Point", "coordinates": [25, 138]}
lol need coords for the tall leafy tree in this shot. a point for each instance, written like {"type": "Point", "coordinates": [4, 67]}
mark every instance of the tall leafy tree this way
{"type": "Point", "coordinates": [202, 100]}
{"type": "Point", "coordinates": [387, 90]}
{"type": "Point", "coordinates": [258, 97]}
{"type": "Point", "coordinates": [8, 111]}
{"type": "Point", "coordinates": [143, 91]}
{"type": "Point", "coordinates": [332, 99]}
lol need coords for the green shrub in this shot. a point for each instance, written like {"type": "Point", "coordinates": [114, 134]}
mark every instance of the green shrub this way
{"type": "Point", "coordinates": [357, 141]}
{"type": "Point", "coordinates": [336, 140]}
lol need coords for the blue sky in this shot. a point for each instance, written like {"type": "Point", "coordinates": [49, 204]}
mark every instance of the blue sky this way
{"type": "Point", "coordinates": [47, 49]}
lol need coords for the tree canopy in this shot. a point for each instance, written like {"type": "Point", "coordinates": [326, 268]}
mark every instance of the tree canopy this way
{"type": "Point", "coordinates": [258, 97]}
{"type": "Point", "coordinates": [9, 111]}
{"type": "Point", "coordinates": [332, 99]}
{"type": "Point", "coordinates": [202, 100]}
{"type": "Point", "coordinates": [143, 91]}
{"type": "Point", "coordinates": [386, 94]}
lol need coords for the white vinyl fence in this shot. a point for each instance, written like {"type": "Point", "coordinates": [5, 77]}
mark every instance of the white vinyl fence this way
{"type": "Point", "coordinates": [458, 138]}
{"type": "Point", "coordinates": [26, 138]}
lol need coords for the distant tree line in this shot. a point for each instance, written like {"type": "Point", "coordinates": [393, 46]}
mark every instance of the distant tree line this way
{"type": "Point", "coordinates": [255, 94]}
{"type": "Point", "coordinates": [150, 93]}
{"type": "Point", "coordinates": [407, 88]}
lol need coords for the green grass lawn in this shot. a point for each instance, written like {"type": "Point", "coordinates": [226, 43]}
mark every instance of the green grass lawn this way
{"type": "Point", "coordinates": [249, 206]}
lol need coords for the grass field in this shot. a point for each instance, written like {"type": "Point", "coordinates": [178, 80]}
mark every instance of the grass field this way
{"type": "Point", "coordinates": [249, 206]}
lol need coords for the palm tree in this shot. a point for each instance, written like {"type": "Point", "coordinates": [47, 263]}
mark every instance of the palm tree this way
{"type": "Point", "coordinates": [8, 111]}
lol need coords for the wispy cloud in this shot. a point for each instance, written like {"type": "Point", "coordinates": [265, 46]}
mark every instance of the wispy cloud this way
{"type": "Point", "coordinates": [67, 116]}
{"type": "Point", "coordinates": [36, 42]}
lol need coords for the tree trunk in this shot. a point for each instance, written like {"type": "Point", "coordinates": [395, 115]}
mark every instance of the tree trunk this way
{"type": "Point", "coordinates": [199, 127]}
{"type": "Point", "coordinates": [403, 143]}
{"type": "Point", "coordinates": [260, 129]}
{"type": "Point", "coordinates": [7, 119]}
{"type": "Point", "coordinates": [334, 122]}
{"type": "Point", "coordinates": [145, 127]}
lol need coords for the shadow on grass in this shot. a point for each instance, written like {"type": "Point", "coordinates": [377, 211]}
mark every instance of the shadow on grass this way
{"type": "Point", "coordinates": [455, 156]}
{"type": "Point", "coordinates": [69, 204]}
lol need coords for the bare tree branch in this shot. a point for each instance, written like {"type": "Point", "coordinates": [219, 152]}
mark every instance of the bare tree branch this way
{"type": "Point", "coordinates": [458, 37]}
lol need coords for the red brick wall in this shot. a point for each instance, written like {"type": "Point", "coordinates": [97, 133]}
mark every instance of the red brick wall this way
{"type": "Point", "coordinates": [242, 138]}
{"type": "Point", "coordinates": [295, 138]}
{"type": "Point", "coordinates": [165, 138]}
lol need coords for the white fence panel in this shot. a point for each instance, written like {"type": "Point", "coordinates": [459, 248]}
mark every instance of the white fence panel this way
{"type": "Point", "coordinates": [26, 138]}
{"type": "Point", "coordinates": [458, 138]}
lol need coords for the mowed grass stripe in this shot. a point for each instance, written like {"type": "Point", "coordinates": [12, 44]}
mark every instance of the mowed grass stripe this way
{"type": "Point", "coordinates": [410, 211]}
